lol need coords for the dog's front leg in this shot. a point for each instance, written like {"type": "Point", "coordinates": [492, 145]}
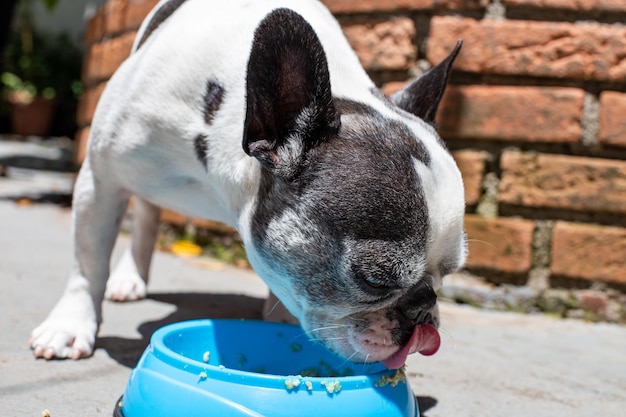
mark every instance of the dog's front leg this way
{"type": "Point", "coordinates": [70, 329]}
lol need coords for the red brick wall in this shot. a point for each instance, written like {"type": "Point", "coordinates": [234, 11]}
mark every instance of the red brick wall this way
{"type": "Point", "coordinates": [535, 116]}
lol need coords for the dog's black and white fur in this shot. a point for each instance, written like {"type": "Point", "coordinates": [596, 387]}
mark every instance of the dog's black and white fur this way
{"type": "Point", "coordinates": [257, 113]}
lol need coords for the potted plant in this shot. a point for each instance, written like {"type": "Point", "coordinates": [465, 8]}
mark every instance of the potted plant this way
{"type": "Point", "coordinates": [32, 111]}
{"type": "Point", "coordinates": [41, 74]}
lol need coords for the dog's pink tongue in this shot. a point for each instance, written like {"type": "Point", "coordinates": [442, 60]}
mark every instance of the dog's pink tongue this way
{"type": "Point", "coordinates": [425, 340]}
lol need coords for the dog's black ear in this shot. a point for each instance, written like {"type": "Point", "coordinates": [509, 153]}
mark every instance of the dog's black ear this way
{"type": "Point", "coordinates": [422, 96]}
{"type": "Point", "coordinates": [289, 105]}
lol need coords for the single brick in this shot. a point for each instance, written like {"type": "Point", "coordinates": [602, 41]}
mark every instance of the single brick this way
{"type": "Point", "coordinates": [529, 114]}
{"type": "Point", "coordinates": [613, 118]}
{"type": "Point", "coordinates": [589, 252]}
{"type": "Point", "coordinates": [106, 57]}
{"type": "Point", "coordinates": [563, 182]}
{"type": "Point", "coordinates": [136, 11]}
{"type": "Point", "coordinates": [585, 51]}
{"type": "Point", "coordinates": [383, 43]}
{"type": "Point", "coordinates": [94, 28]}
{"type": "Point", "coordinates": [114, 14]}
{"type": "Point", "coordinates": [93, 62]}
{"type": "Point", "coordinates": [472, 167]}
{"type": "Point", "coordinates": [90, 63]}
{"type": "Point", "coordinates": [500, 244]}
{"type": "Point", "coordinates": [368, 6]}
{"type": "Point", "coordinates": [576, 5]}
{"type": "Point", "coordinates": [87, 104]}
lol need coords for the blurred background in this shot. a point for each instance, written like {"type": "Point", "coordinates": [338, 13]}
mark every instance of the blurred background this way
{"type": "Point", "coordinates": [534, 115]}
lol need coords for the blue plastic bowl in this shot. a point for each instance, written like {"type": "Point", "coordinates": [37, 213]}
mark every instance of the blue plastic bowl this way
{"type": "Point", "coordinates": [254, 368]}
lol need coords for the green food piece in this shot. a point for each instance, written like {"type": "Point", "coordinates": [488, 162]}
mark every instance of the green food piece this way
{"type": "Point", "coordinates": [295, 347]}
{"type": "Point", "coordinates": [311, 372]}
{"type": "Point", "coordinates": [242, 360]}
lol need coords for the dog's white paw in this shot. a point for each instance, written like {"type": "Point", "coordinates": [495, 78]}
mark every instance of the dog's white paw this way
{"type": "Point", "coordinates": [63, 338]}
{"type": "Point", "coordinates": [125, 286]}
{"type": "Point", "coordinates": [70, 329]}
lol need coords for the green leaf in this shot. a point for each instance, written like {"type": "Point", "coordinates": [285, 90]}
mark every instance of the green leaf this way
{"type": "Point", "coordinates": [30, 89]}
{"type": "Point", "coordinates": [50, 4]}
{"type": "Point", "coordinates": [48, 93]}
{"type": "Point", "coordinates": [77, 88]}
{"type": "Point", "coordinates": [11, 80]}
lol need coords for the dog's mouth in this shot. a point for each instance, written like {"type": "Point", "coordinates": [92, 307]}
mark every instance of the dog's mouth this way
{"type": "Point", "coordinates": [425, 340]}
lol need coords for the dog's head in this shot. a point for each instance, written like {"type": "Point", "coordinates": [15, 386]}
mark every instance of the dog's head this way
{"type": "Point", "coordinates": [359, 211]}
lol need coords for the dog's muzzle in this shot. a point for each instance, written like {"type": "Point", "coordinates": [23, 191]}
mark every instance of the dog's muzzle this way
{"type": "Point", "coordinates": [418, 326]}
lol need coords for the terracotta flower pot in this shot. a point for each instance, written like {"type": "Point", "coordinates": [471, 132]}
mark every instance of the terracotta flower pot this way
{"type": "Point", "coordinates": [34, 119]}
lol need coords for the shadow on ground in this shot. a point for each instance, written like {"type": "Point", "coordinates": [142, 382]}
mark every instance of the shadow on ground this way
{"type": "Point", "coordinates": [189, 306]}
{"type": "Point", "coordinates": [425, 403]}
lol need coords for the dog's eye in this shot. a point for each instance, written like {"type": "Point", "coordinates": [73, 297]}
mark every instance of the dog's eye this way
{"type": "Point", "coordinates": [372, 282]}
{"type": "Point", "coordinates": [375, 282]}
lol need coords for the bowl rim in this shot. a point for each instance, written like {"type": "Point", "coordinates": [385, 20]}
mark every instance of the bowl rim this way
{"type": "Point", "coordinates": [206, 371]}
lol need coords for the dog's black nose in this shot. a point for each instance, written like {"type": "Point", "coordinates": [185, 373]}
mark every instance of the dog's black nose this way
{"type": "Point", "coordinates": [417, 304]}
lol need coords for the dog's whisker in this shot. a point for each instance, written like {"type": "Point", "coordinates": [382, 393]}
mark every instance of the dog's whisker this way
{"type": "Point", "coordinates": [273, 308]}
{"type": "Point", "coordinates": [313, 332]}
{"type": "Point", "coordinates": [482, 241]}
{"type": "Point", "coordinates": [449, 336]}
{"type": "Point", "coordinates": [356, 319]}
{"type": "Point", "coordinates": [337, 326]}
{"type": "Point", "coordinates": [349, 359]}
{"type": "Point", "coordinates": [326, 339]}
{"type": "Point", "coordinates": [366, 362]}
{"type": "Point", "coordinates": [351, 356]}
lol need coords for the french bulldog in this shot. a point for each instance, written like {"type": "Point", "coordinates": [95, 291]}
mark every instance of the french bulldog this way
{"type": "Point", "coordinates": [258, 114]}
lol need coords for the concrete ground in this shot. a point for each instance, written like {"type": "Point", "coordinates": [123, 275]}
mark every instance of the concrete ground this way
{"type": "Point", "coordinates": [490, 364]}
